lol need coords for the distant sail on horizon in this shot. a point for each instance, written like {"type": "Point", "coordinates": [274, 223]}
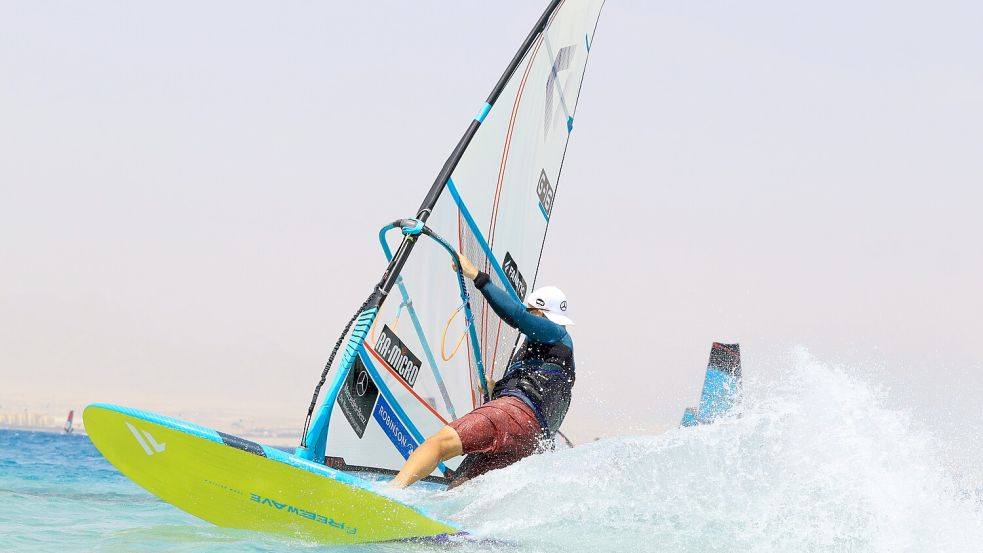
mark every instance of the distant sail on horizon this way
{"type": "Point", "coordinates": [69, 421]}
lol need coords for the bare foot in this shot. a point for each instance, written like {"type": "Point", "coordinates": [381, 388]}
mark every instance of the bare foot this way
{"type": "Point", "coordinates": [395, 484]}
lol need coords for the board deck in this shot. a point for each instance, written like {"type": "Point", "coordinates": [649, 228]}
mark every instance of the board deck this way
{"type": "Point", "coordinates": [236, 483]}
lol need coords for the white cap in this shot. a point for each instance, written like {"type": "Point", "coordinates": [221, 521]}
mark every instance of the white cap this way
{"type": "Point", "coordinates": [552, 301]}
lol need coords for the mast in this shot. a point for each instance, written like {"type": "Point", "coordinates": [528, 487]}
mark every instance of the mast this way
{"type": "Point", "coordinates": [389, 279]}
{"type": "Point", "coordinates": [315, 433]}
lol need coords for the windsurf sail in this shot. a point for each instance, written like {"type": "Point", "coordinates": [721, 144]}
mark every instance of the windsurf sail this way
{"type": "Point", "coordinates": [417, 352]}
{"type": "Point", "coordinates": [721, 387]}
{"type": "Point", "coordinates": [68, 422]}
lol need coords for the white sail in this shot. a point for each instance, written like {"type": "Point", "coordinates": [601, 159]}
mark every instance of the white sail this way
{"type": "Point", "coordinates": [419, 365]}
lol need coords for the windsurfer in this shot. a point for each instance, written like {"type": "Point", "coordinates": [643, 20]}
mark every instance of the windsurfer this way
{"type": "Point", "coordinates": [527, 404]}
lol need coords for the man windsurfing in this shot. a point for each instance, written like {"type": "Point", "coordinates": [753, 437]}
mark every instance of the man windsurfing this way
{"type": "Point", "coordinates": [527, 405]}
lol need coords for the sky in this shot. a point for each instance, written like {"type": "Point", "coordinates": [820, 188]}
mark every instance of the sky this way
{"type": "Point", "coordinates": [190, 193]}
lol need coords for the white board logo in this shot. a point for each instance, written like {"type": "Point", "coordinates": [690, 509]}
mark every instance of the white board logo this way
{"type": "Point", "coordinates": [149, 444]}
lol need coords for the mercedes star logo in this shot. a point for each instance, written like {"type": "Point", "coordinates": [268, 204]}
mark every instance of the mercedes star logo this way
{"type": "Point", "coordinates": [361, 383]}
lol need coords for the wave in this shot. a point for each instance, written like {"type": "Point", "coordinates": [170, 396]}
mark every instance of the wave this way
{"type": "Point", "coordinates": [810, 461]}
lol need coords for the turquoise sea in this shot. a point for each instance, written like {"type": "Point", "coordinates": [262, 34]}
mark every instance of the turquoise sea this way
{"type": "Point", "coordinates": [813, 461]}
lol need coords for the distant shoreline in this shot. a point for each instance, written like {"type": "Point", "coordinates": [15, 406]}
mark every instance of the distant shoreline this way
{"type": "Point", "coordinates": [45, 429]}
{"type": "Point", "coordinates": [277, 441]}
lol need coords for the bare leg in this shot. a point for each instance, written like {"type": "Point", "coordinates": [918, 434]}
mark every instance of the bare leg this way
{"type": "Point", "coordinates": [441, 446]}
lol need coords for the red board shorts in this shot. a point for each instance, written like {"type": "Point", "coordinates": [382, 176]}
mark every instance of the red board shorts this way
{"type": "Point", "coordinates": [496, 435]}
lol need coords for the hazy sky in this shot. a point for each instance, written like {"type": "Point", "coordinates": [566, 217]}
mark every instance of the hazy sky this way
{"type": "Point", "coordinates": [190, 192]}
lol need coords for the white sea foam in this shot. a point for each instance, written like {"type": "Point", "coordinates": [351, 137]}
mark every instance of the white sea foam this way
{"type": "Point", "coordinates": [812, 462]}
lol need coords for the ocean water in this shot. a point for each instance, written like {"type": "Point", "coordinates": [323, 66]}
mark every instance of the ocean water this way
{"type": "Point", "coordinates": [813, 461]}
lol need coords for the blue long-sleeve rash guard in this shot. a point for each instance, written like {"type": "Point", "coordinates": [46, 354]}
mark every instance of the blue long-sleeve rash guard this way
{"type": "Point", "coordinates": [513, 312]}
{"type": "Point", "coordinates": [541, 373]}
